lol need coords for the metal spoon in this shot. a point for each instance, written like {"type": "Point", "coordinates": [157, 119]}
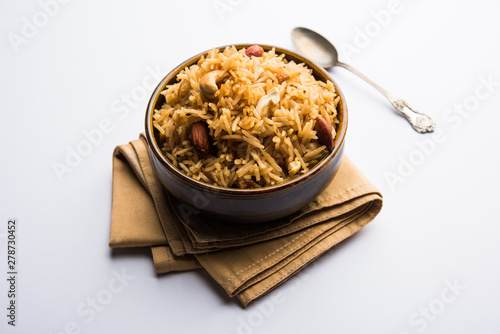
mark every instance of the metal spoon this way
{"type": "Point", "coordinates": [314, 46]}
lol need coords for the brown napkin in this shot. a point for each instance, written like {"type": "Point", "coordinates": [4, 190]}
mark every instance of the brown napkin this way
{"type": "Point", "coordinates": [246, 260]}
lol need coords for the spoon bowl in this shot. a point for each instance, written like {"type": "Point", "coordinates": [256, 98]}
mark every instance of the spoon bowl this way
{"type": "Point", "coordinates": [315, 46]}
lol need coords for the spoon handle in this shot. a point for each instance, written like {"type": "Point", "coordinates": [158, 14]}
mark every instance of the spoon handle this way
{"type": "Point", "coordinates": [421, 122]}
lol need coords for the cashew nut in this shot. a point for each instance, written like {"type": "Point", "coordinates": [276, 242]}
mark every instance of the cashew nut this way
{"type": "Point", "coordinates": [210, 80]}
{"type": "Point", "coordinates": [293, 167]}
{"type": "Point", "coordinates": [273, 97]}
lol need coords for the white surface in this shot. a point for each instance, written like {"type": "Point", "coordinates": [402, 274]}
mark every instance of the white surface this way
{"type": "Point", "coordinates": [438, 226]}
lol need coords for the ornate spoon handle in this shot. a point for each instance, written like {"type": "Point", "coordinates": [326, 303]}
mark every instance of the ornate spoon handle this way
{"type": "Point", "coordinates": [421, 122]}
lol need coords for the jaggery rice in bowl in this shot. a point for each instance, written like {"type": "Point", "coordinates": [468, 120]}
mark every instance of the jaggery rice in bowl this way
{"type": "Point", "coordinates": [246, 133]}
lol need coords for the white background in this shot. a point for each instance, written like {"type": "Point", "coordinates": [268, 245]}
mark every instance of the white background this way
{"type": "Point", "coordinates": [439, 225]}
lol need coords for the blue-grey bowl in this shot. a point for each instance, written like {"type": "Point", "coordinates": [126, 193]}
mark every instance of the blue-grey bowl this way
{"type": "Point", "coordinates": [245, 205]}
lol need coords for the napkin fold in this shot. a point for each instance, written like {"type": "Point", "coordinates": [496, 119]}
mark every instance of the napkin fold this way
{"type": "Point", "coordinates": [247, 260]}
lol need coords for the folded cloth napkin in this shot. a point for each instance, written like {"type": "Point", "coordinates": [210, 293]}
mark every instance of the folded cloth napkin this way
{"type": "Point", "coordinates": [246, 260]}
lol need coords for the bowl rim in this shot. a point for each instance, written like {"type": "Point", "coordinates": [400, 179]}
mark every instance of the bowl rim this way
{"type": "Point", "coordinates": [155, 148]}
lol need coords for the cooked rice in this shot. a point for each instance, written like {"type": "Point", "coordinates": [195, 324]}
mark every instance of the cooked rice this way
{"type": "Point", "coordinates": [252, 148]}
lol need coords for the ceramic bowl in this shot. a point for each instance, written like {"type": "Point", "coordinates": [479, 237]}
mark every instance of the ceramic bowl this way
{"type": "Point", "coordinates": [245, 205]}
